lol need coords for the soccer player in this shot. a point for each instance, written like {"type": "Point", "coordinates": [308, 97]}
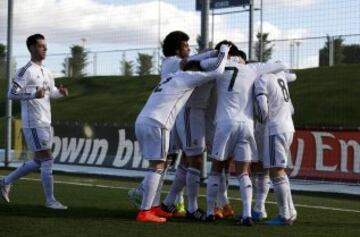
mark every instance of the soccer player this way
{"type": "Point", "coordinates": [275, 111]}
{"type": "Point", "coordinates": [234, 135]}
{"type": "Point", "coordinates": [175, 49]}
{"type": "Point", "coordinates": [223, 208]}
{"type": "Point", "coordinates": [261, 176]}
{"type": "Point", "coordinates": [157, 118]}
{"type": "Point", "coordinates": [191, 129]}
{"type": "Point", "coordinates": [34, 86]}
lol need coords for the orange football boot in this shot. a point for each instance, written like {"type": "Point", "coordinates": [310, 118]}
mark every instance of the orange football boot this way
{"type": "Point", "coordinates": [218, 213]}
{"type": "Point", "coordinates": [149, 216]}
{"type": "Point", "coordinates": [228, 211]}
{"type": "Point", "coordinates": [159, 212]}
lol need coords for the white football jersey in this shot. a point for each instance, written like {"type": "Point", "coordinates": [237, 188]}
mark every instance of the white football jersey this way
{"type": "Point", "coordinates": [200, 97]}
{"type": "Point", "coordinates": [34, 112]}
{"type": "Point", "coordinates": [274, 87]}
{"type": "Point", "coordinates": [235, 93]}
{"type": "Point", "coordinates": [169, 97]}
{"type": "Point", "coordinates": [169, 65]}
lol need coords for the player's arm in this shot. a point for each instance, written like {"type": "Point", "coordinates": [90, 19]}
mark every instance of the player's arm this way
{"type": "Point", "coordinates": [199, 57]}
{"type": "Point", "coordinates": [216, 66]}
{"type": "Point", "coordinates": [261, 99]}
{"type": "Point", "coordinates": [20, 91]}
{"type": "Point", "coordinates": [205, 55]}
{"type": "Point", "coordinates": [57, 92]}
{"type": "Point", "coordinates": [290, 77]}
{"type": "Point", "coordinates": [264, 68]}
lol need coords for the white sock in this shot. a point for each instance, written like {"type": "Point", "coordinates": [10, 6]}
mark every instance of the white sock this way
{"type": "Point", "coordinates": [212, 191]}
{"type": "Point", "coordinates": [180, 197]}
{"type": "Point", "coordinates": [192, 186]}
{"type": "Point", "coordinates": [281, 189]}
{"type": "Point", "coordinates": [290, 200]}
{"type": "Point", "coordinates": [245, 193]}
{"type": "Point", "coordinates": [21, 171]}
{"type": "Point", "coordinates": [140, 188]}
{"type": "Point", "coordinates": [177, 185]}
{"type": "Point", "coordinates": [261, 190]}
{"type": "Point", "coordinates": [223, 187]}
{"type": "Point", "coordinates": [47, 179]}
{"type": "Point", "coordinates": [157, 197]}
{"type": "Point", "coordinates": [150, 186]}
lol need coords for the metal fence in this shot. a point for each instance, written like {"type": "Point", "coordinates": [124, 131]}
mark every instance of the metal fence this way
{"type": "Point", "coordinates": [112, 31]}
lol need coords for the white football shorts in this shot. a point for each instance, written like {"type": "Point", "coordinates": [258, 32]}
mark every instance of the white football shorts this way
{"type": "Point", "coordinates": [276, 150]}
{"type": "Point", "coordinates": [234, 140]}
{"type": "Point", "coordinates": [153, 141]}
{"type": "Point", "coordinates": [190, 127]}
{"type": "Point", "coordinates": [39, 139]}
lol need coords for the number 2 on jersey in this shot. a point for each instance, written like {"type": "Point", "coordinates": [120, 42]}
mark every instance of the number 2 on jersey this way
{"type": "Point", "coordinates": [233, 77]}
{"type": "Point", "coordinates": [284, 89]}
{"type": "Point", "coordinates": [158, 87]}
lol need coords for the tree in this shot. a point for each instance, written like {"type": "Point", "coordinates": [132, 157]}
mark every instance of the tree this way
{"type": "Point", "coordinates": [2, 60]}
{"type": "Point", "coordinates": [75, 64]}
{"type": "Point", "coordinates": [145, 64]}
{"type": "Point", "coordinates": [126, 67]}
{"type": "Point", "coordinates": [266, 46]}
{"type": "Point", "coordinates": [200, 48]}
{"type": "Point", "coordinates": [338, 51]}
{"type": "Point", "coordinates": [198, 42]}
{"type": "Point", "coordinates": [351, 53]}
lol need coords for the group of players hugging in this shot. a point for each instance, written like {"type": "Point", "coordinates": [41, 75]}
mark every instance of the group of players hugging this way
{"type": "Point", "coordinates": [234, 110]}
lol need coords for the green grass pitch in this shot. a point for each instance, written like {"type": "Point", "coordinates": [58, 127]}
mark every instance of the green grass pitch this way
{"type": "Point", "coordinates": [99, 207]}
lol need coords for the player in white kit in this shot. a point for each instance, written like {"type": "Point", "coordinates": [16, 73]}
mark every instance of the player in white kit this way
{"type": "Point", "coordinates": [261, 176]}
{"type": "Point", "coordinates": [275, 111]}
{"type": "Point", "coordinates": [192, 146]}
{"type": "Point", "coordinates": [34, 86]}
{"type": "Point", "coordinates": [157, 118]}
{"type": "Point", "coordinates": [234, 134]}
{"type": "Point", "coordinates": [175, 49]}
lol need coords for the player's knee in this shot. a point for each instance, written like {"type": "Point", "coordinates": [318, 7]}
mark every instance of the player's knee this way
{"type": "Point", "coordinates": [47, 167]}
{"type": "Point", "coordinates": [242, 167]}
{"type": "Point", "coordinates": [217, 166]}
{"type": "Point", "coordinates": [196, 161]}
{"type": "Point", "coordinates": [277, 172]}
{"type": "Point", "coordinates": [183, 161]}
{"type": "Point", "coordinates": [157, 165]}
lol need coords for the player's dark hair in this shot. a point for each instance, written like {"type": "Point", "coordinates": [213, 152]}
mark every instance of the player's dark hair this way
{"type": "Point", "coordinates": [172, 42]}
{"type": "Point", "coordinates": [240, 53]}
{"type": "Point", "coordinates": [192, 66]}
{"type": "Point", "coordinates": [234, 50]}
{"type": "Point", "coordinates": [252, 61]}
{"type": "Point", "coordinates": [32, 39]}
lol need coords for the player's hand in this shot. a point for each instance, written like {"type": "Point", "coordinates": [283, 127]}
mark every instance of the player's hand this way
{"type": "Point", "coordinates": [63, 90]}
{"type": "Point", "coordinates": [225, 47]}
{"type": "Point", "coordinates": [40, 92]}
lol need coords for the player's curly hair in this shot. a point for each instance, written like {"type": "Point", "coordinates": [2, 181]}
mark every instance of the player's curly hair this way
{"type": "Point", "coordinates": [172, 42]}
{"type": "Point", "coordinates": [234, 50]}
{"type": "Point", "coordinates": [32, 39]}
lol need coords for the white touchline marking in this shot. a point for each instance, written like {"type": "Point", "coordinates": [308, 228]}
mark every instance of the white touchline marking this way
{"type": "Point", "coordinates": [231, 198]}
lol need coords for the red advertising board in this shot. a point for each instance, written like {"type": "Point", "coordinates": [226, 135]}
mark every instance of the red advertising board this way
{"type": "Point", "coordinates": [326, 155]}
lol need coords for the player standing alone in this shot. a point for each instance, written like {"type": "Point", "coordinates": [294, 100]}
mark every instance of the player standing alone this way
{"type": "Point", "coordinates": [34, 86]}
